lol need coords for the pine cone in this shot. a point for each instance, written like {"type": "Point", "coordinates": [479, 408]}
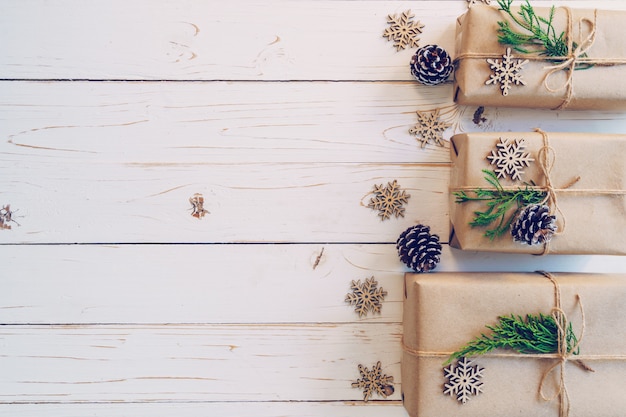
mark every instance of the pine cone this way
{"type": "Point", "coordinates": [431, 65]}
{"type": "Point", "coordinates": [534, 225]}
{"type": "Point", "coordinates": [418, 249]}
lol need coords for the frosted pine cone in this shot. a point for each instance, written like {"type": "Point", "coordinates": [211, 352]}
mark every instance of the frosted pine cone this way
{"type": "Point", "coordinates": [431, 65]}
{"type": "Point", "coordinates": [534, 225]}
{"type": "Point", "coordinates": [418, 249]}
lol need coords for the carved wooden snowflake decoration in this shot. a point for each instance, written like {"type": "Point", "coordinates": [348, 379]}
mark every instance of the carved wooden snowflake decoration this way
{"type": "Point", "coordinates": [463, 380]}
{"type": "Point", "coordinates": [506, 72]}
{"type": "Point", "coordinates": [470, 3]}
{"type": "Point", "coordinates": [429, 128]}
{"type": "Point", "coordinates": [366, 296]}
{"type": "Point", "coordinates": [403, 31]}
{"type": "Point", "coordinates": [510, 158]}
{"type": "Point", "coordinates": [374, 381]}
{"type": "Point", "coordinates": [388, 200]}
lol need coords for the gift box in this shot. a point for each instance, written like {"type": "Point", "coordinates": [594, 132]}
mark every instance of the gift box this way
{"type": "Point", "coordinates": [597, 52]}
{"type": "Point", "coordinates": [444, 311]}
{"type": "Point", "coordinates": [581, 178]}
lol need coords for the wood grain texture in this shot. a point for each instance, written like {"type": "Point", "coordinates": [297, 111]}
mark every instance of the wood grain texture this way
{"type": "Point", "coordinates": [220, 40]}
{"type": "Point", "coordinates": [225, 122]}
{"type": "Point", "coordinates": [300, 362]}
{"type": "Point", "coordinates": [121, 203]}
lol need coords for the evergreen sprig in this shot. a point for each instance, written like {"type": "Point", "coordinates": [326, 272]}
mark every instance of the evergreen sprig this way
{"type": "Point", "coordinates": [541, 37]}
{"type": "Point", "coordinates": [534, 334]}
{"type": "Point", "coordinates": [499, 202]}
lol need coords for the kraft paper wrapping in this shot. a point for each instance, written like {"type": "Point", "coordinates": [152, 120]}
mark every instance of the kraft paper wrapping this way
{"type": "Point", "coordinates": [600, 87]}
{"type": "Point", "coordinates": [444, 311]}
{"type": "Point", "coordinates": [592, 219]}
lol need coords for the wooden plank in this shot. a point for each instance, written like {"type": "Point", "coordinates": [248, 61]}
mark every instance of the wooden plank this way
{"type": "Point", "coordinates": [305, 362]}
{"type": "Point", "coordinates": [218, 40]}
{"type": "Point", "coordinates": [373, 408]}
{"type": "Point", "coordinates": [260, 40]}
{"type": "Point", "coordinates": [225, 122]}
{"type": "Point", "coordinates": [135, 202]}
{"type": "Point", "coordinates": [151, 284]}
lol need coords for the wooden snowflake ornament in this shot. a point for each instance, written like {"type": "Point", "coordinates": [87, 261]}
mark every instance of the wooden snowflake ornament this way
{"type": "Point", "coordinates": [429, 128]}
{"type": "Point", "coordinates": [403, 31]}
{"type": "Point", "coordinates": [463, 380]}
{"type": "Point", "coordinates": [366, 297]}
{"type": "Point", "coordinates": [374, 381]}
{"type": "Point", "coordinates": [510, 158]}
{"type": "Point", "coordinates": [389, 200]}
{"type": "Point", "coordinates": [506, 72]}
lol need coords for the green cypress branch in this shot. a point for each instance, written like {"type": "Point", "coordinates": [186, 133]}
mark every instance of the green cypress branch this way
{"type": "Point", "coordinates": [499, 202]}
{"type": "Point", "coordinates": [540, 36]}
{"type": "Point", "coordinates": [534, 334]}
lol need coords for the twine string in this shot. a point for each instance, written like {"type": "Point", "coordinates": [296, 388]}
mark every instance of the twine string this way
{"type": "Point", "coordinates": [573, 57]}
{"type": "Point", "coordinates": [564, 190]}
{"type": "Point", "coordinates": [563, 353]}
{"type": "Point", "coordinates": [547, 157]}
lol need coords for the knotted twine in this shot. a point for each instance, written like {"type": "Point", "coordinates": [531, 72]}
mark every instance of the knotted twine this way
{"type": "Point", "coordinates": [563, 353]}
{"type": "Point", "coordinates": [561, 356]}
{"type": "Point", "coordinates": [546, 158]}
{"type": "Point", "coordinates": [576, 55]}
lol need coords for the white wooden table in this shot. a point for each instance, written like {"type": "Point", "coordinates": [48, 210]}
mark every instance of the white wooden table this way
{"type": "Point", "coordinates": [115, 301]}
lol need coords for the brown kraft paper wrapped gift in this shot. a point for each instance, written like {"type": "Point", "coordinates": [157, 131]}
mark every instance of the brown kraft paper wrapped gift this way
{"type": "Point", "coordinates": [601, 87]}
{"type": "Point", "coordinates": [591, 215]}
{"type": "Point", "coordinates": [445, 311]}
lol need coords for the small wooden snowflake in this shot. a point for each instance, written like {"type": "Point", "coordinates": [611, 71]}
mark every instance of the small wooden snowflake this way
{"type": "Point", "coordinates": [374, 381]}
{"type": "Point", "coordinates": [429, 128]}
{"type": "Point", "coordinates": [506, 72]}
{"type": "Point", "coordinates": [463, 380]}
{"type": "Point", "coordinates": [403, 31]}
{"type": "Point", "coordinates": [366, 296]}
{"type": "Point", "coordinates": [510, 158]}
{"type": "Point", "coordinates": [389, 200]}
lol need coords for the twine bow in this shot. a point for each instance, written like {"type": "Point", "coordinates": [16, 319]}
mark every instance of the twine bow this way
{"type": "Point", "coordinates": [546, 156]}
{"type": "Point", "coordinates": [574, 56]}
{"type": "Point", "coordinates": [563, 353]}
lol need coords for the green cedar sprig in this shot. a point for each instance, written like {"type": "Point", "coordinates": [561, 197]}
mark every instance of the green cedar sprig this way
{"type": "Point", "coordinates": [534, 334]}
{"type": "Point", "coordinates": [499, 202]}
{"type": "Point", "coordinates": [541, 36]}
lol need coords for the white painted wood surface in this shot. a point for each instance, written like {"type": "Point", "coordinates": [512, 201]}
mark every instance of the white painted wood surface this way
{"type": "Point", "coordinates": [116, 301]}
